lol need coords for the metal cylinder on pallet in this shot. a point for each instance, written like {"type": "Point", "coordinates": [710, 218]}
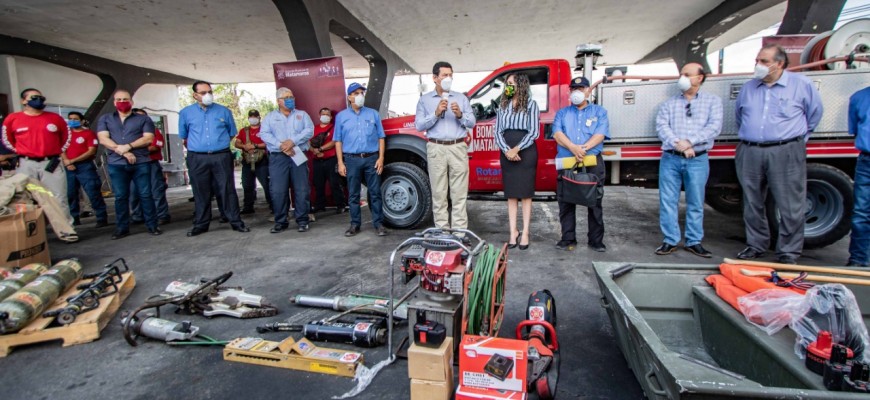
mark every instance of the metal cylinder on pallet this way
{"type": "Point", "coordinates": [18, 279]}
{"type": "Point", "coordinates": [28, 303]}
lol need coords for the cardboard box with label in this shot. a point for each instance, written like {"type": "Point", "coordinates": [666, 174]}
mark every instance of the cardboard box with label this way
{"type": "Point", "coordinates": [431, 390]}
{"type": "Point", "coordinates": [431, 364]}
{"type": "Point", "coordinates": [493, 363]}
{"type": "Point", "coordinates": [22, 237]}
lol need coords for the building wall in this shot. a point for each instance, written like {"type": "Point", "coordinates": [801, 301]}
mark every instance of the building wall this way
{"type": "Point", "coordinates": [63, 87]}
{"type": "Point", "coordinates": [162, 101]}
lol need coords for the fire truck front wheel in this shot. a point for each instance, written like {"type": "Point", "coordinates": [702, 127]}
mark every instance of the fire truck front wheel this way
{"type": "Point", "coordinates": [406, 194]}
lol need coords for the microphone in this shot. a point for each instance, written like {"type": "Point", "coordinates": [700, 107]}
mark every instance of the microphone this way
{"type": "Point", "coordinates": [444, 96]}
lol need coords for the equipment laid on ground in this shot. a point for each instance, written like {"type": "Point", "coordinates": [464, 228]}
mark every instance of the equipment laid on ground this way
{"type": "Point", "coordinates": [173, 333]}
{"type": "Point", "coordinates": [28, 303]}
{"type": "Point", "coordinates": [362, 304]}
{"type": "Point", "coordinates": [362, 332]}
{"type": "Point", "coordinates": [16, 280]}
{"type": "Point", "coordinates": [208, 298]}
{"type": "Point", "coordinates": [299, 355]}
{"type": "Point", "coordinates": [102, 284]}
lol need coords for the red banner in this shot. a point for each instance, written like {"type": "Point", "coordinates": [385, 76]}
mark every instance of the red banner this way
{"type": "Point", "coordinates": [315, 83]}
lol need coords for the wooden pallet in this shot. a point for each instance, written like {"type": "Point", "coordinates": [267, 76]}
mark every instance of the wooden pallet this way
{"type": "Point", "coordinates": [85, 329]}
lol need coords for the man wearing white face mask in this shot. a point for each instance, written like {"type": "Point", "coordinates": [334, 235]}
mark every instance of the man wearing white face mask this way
{"type": "Point", "coordinates": [446, 116]}
{"type": "Point", "coordinates": [207, 128]}
{"type": "Point", "coordinates": [255, 164]}
{"type": "Point", "coordinates": [776, 112]}
{"type": "Point", "coordinates": [687, 124]}
{"type": "Point", "coordinates": [580, 130]}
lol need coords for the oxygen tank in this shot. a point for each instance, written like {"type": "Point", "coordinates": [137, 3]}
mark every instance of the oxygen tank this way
{"type": "Point", "coordinates": [17, 280]}
{"type": "Point", "coordinates": [28, 303]}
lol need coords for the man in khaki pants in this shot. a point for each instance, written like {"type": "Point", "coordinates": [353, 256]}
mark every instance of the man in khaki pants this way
{"type": "Point", "coordinates": [446, 116]}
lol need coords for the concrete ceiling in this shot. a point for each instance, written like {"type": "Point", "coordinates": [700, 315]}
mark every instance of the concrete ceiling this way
{"type": "Point", "coordinates": [238, 41]}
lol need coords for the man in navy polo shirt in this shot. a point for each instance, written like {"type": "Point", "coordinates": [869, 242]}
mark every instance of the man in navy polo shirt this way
{"type": "Point", "coordinates": [208, 128]}
{"type": "Point", "coordinates": [127, 137]}
{"type": "Point", "coordinates": [359, 145]}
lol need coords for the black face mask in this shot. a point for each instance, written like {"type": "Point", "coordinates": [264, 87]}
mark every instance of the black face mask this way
{"type": "Point", "coordinates": [37, 102]}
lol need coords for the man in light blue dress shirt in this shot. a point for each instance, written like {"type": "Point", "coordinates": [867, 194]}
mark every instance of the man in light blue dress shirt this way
{"type": "Point", "coordinates": [286, 132]}
{"type": "Point", "coordinates": [207, 128]}
{"type": "Point", "coordinates": [776, 112]}
{"type": "Point", "coordinates": [687, 124]}
{"type": "Point", "coordinates": [859, 126]}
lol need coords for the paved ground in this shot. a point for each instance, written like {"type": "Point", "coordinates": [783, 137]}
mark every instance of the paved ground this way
{"type": "Point", "coordinates": [324, 261]}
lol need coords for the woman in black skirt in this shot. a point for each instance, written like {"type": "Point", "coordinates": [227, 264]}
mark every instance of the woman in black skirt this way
{"type": "Point", "coordinates": [516, 128]}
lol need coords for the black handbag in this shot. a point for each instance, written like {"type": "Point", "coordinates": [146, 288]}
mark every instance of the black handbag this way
{"type": "Point", "coordinates": [579, 187]}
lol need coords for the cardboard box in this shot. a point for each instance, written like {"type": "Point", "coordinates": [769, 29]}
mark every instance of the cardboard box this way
{"type": "Point", "coordinates": [431, 364]}
{"type": "Point", "coordinates": [22, 237]}
{"type": "Point", "coordinates": [473, 393]}
{"type": "Point", "coordinates": [493, 363]}
{"type": "Point", "coordinates": [431, 390]}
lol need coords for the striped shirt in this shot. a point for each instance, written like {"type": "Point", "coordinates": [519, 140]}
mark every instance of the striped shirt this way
{"type": "Point", "coordinates": [528, 120]}
{"type": "Point", "coordinates": [673, 122]}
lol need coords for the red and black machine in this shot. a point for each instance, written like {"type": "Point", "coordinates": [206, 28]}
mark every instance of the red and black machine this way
{"type": "Point", "coordinates": [539, 329]}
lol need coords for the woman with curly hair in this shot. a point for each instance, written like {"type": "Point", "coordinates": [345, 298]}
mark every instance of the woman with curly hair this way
{"type": "Point", "coordinates": [516, 128]}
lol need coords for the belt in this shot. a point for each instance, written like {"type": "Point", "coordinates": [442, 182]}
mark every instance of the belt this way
{"type": "Point", "coordinates": [41, 159]}
{"type": "Point", "coordinates": [359, 155]}
{"type": "Point", "coordinates": [210, 152]}
{"type": "Point", "coordinates": [447, 142]}
{"type": "Point", "coordinates": [677, 153]}
{"type": "Point", "coordinates": [771, 144]}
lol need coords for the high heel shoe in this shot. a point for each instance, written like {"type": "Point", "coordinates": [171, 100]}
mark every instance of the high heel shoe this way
{"type": "Point", "coordinates": [517, 240]}
{"type": "Point", "coordinates": [523, 246]}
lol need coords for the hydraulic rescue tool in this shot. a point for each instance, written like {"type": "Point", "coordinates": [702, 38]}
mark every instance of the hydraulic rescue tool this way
{"type": "Point", "coordinates": [173, 333]}
{"type": "Point", "coordinates": [539, 329]}
{"type": "Point", "coordinates": [362, 332]}
{"type": "Point", "coordinates": [25, 305]}
{"type": "Point", "coordinates": [102, 284]}
{"type": "Point", "coordinates": [361, 304]}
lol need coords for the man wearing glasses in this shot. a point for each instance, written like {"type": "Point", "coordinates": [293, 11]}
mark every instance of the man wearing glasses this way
{"type": "Point", "coordinates": [686, 124]}
{"type": "Point", "coordinates": [207, 128]}
{"type": "Point", "coordinates": [40, 139]}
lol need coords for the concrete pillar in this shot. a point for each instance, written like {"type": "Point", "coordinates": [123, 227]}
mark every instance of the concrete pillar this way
{"type": "Point", "coordinates": [810, 16]}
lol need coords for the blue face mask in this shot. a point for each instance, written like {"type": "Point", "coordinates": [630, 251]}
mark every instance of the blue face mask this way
{"type": "Point", "coordinates": [74, 123]}
{"type": "Point", "coordinates": [290, 103]}
{"type": "Point", "coordinates": [37, 102]}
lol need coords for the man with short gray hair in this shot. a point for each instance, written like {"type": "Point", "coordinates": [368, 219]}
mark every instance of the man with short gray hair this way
{"type": "Point", "coordinates": [286, 132]}
{"type": "Point", "coordinates": [776, 112]}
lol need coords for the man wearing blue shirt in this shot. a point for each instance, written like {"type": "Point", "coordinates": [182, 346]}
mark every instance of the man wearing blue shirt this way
{"type": "Point", "coordinates": [580, 129]}
{"type": "Point", "coordinates": [359, 143]}
{"type": "Point", "coordinates": [776, 111]}
{"type": "Point", "coordinates": [859, 126]}
{"type": "Point", "coordinates": [207, 128]}
{"type": "Point", "coordinates": [686, 124]}
{"type": "Point", "coordinates": [286, 132]}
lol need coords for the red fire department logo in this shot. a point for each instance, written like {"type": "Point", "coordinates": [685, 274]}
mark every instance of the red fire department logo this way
{"type": "Point", "coordinates": [536, 313]}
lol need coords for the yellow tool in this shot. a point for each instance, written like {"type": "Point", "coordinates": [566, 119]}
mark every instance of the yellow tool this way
{"type": "Point", "coordinates": [301, 355]}
{"type": "Point", "coordinates": [570, 162]}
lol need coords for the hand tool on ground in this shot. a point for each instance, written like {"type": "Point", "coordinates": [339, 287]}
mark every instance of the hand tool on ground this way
{"type": "Point", "coordinates": [102, 284]}
{"type": "Point", "coordinates": [805, 268]}
{"type": "Point", "coordinates": [817, 278]}
{"type": "Point", "coordinates": [362, 332]}
{"type": "Point", "coordinates": [173, 333]}
{"type": "Point", "coordinates": [218, 300]}
{"type": "Point", "coordinates": [25, 305]}
{"type": "Point", "coordinates": [361, 303]}
{"type": "Point", "coordinates": [544, 359]}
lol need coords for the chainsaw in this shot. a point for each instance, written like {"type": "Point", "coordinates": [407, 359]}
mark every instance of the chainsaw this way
{"type": "Point", "coordinates": [539, 330]}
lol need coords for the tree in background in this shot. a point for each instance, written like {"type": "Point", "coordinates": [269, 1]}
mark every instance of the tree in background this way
{"type": "Point", "coordinates": [237, 100]}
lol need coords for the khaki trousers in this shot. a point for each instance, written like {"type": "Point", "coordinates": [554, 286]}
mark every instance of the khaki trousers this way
{"type": "Point", "coordinates": [448, 175]}
{"type": "Point", "coordinates": [55, 182]}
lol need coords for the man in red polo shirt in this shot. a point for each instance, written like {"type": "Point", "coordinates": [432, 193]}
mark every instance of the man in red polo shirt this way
{"type": "Point", "coordinates": [158, 182]}
{"type": "Point", "coordinates": [81, 172]}
{"type": "Point", "coordinates": [254, 162]}
{"type": "Point", "coordinates": [325, 163]}
{"type": "Point", "coordinates": [40, 139]}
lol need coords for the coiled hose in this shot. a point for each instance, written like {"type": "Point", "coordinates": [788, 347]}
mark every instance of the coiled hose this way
{"type": "Point", "coordinates": [480, 292]}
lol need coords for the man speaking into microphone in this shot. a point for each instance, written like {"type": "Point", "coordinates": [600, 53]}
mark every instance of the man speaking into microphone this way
{"type": "Point", "coordinates": [446, 117]}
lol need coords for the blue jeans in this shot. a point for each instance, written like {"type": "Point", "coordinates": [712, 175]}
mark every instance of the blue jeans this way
{"type": "Point", "coordinates": [282, 173]}
{"type": "Point", "coordinates": [158, 193]}
{"type": "Point", "coordinates": [674, 172]}
{"type": "Point", "coordinates": [85, 176]}
{"type": "Point", "coordinates": [859, 246]}
{"type": "Point", "coordinates": [357, 170]}
{"type": "Point", "coordinates": [122, 176]}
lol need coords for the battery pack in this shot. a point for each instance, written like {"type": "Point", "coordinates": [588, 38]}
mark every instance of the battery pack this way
{"type": "Point", "coordinates": [498, 366]}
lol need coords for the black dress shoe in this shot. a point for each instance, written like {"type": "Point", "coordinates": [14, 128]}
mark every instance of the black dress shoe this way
{"type": "Point", "coordinates": [247, 211]}
{"type": "Point", "coordinates": [601, 248]}
{"type": "Point", "coordinates": [699, 251]}
{"type": "Point", "coordinates": [101, 224]}
{"type": "Point", "coordinates": [516, 241]}
{"type": "Point", "coordinates": [786, 259]}
{"type": "Point", "coordinates": [195, 231]}
{"type": "Point", "coordinates": [749, 253]}
{"type": "Point", "coordinates": [224, 220]}
{"type": "Point", "coordinates": [665, 249]}
{"type": "Point", "coordinates": [382, 231]}
{"type": "Point", "coordinates": [155, 232]}
{"type": "Point", "coordinates": [164, 221]}
{"type": "Point", "coordinates": [352, 231]}
{"type": "Point", "coordinates": [566, 245]}
{"type": "Point", "coordinates": [241, 228]}
{"type": "Point", "coordinates": [120, 234]}
{"type": "Point", "coordinates": [278, 228]}
{"type": "Point", "coordinates": [302, 228]}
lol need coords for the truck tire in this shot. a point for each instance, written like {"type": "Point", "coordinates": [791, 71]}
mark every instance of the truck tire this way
{"type": "Point", "coordinates": [726, 200]}
{"type": "Point", "coordinates": [406, 194]}
{"type": "Point", "coordinates": [830, 200]}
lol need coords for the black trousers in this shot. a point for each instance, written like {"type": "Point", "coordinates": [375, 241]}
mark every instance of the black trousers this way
{"type": "Point", "coordinates": [212, 174]}
{"type": "Point", "coordinates": [250, 176]}
{"type": "Point", "coordinates": [325, 170]}
{"type": "Point", "coordinates": [595, 215]}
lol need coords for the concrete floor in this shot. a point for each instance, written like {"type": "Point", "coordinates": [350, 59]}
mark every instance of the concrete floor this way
{"type": "Point", "coordinates": [323, 261]}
